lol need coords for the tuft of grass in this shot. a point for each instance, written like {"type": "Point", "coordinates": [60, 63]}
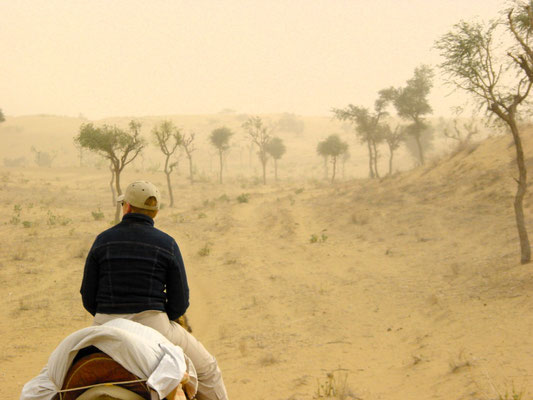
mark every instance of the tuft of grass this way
{"type": "Point", "coordinates": [57, 219]}
{"type": "Point", "coordinates": [202, 215]}
{"type": "Point", "coordinates": [514, 395]}
{"type": "Point", "coordinates": [359, 219]}
{"type": "Point", "coordinates": [18, 255]}
{"type": "Point", "coordinates": [177, 218]}
{"type": "Point", "coordinates": [318, 239]}
{"type": "Point", "coordinates": [335, 386]}
{"type": "Point", "coordinates": [205, 251]}
{"type": "Point", "coordinates": [268, 359]}
{"type": "Point", "coordinates": [243, 198]}
{"type": "Point", "coordinates": [98, 215]}
{"type": "Point", "coordinates": [27, 224]}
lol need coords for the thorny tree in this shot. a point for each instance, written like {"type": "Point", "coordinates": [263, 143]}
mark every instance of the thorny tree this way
{"type": "Point", "coordinates": [117, 145]}
{"type": "Point", "coordinates": [473, 64]}
{"type": "Point", "coordinates": [260, 136]}
{"type": "Point", "coordinates": [168, 137]}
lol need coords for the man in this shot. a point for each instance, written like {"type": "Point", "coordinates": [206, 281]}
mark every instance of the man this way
{"type": "Point", "coordinates": [136, 271]}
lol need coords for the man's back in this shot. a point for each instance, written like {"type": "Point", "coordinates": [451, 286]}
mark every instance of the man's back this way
{"type": "Point", "coordinates": [134, 267]}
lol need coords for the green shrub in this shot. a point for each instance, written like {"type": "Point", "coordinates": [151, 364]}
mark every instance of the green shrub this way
{"type": "Point", "coordinates": [205, 251]}
{"type": "Point", "coordinates": [98, 215]}
{"type": "Point", "coordinates": [243, 198]}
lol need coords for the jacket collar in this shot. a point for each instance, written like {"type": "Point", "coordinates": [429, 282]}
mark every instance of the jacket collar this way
{"type": "Point", "coordinates": [134, 218]}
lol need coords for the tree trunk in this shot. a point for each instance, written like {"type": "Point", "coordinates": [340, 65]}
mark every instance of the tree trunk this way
{"type": "Point", "coordinates": [264, 164]}
{"type": "Point", "coordinates": [190, 168]}
{"type": "Point", "coordinates": [420, 151]}
{"type": "Point", "coordinates": [169, 185]}
{"type": "Point", "coordinates": [375, 159]}
{"type": "Point", "coordinates": [111, 185]}
{"type": "Point", "coordinates": [390, 160]}
{"type": "Point", "coordinates": [326, 167]}
{"type": "Point", "coordinates": [276, 169]}
{"type": "Point", "coordinates": [334, 162]}
{"type": "Point", "coordinates": [370, 161]}
{"type": "Point", "coordinates": [118, 208]}
{"type": "Point", "coordinates": [170, 193]}
{"type": "Point", "coordinates": [525, 248]}
{"type": "Point", "coordinates": [220, 155]}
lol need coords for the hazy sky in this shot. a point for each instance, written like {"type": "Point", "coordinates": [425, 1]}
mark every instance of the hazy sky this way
{"type": "Point", "coordinates": [154, 57]}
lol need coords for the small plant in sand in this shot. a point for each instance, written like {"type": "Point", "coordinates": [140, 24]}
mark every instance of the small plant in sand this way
{"type": "Point", "coordinates": [205, 251]}
{"type": "Point", "coordinates": [98, 215]}
{"type": "Point", "coordinates": [334, 386]}
{"type": "Point", "coordinates": [27, 224]}
{"type": "Point", "coordinates": [57, 219]}
{"type": "Point", "coordinates": [318, 239]}
{"type": "Point", "coordinates": [243, 198]}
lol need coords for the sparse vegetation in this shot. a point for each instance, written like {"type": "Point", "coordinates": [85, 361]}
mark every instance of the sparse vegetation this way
{"type": "Point", "coordinates": [334, 386]}
{"type": "Point", "coordinates": [98, 215]}
{"type": "Point", "coordinates": [243, 198]}
{"type": "Point", "coordinates": [205, 251]}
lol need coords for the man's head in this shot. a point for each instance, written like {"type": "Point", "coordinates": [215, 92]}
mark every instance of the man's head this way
{"type": "Point", "coordinates": [140, 197]}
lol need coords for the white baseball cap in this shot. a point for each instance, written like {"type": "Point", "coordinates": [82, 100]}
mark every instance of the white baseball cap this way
{"type": "Point", "coordinates": [138, 192]}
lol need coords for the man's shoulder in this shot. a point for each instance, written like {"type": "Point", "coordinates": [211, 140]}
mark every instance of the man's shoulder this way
{"type": "Point", "coordinates": [165, 236]}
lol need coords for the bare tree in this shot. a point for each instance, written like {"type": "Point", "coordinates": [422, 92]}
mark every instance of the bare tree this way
{"type": "Point", "coordinates": [187, 144]}
{"type": "Point", "coordinates": [168, 137]}
{"type": "Point", "coordinates": [472, 64]}
{"type": "Point", "coordinates": [462, 131]}
{"type": "Point", "coordinates": [260, 136]}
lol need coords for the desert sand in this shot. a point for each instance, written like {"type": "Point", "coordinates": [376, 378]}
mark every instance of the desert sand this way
{"type": "Point", "coordinates": [408, 287]}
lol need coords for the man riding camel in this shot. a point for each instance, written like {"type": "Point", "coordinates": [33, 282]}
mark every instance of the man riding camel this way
{"type": "Point", "coordinates": [135, 271]}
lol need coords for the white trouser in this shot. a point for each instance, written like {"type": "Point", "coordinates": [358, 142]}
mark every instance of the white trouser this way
{"type": "Point", "coordinates": [210, 382]}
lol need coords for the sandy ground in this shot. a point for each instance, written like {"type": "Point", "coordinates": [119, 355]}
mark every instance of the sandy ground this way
{"type": "Point", "coordinates": [405, 288]}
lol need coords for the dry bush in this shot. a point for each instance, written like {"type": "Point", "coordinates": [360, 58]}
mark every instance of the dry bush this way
{"type": "Point", "coordinates": [335, 386]}
{"type": "Point", "coordinates": [268, 359]}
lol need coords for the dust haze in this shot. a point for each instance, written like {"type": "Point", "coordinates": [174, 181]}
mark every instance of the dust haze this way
{"type": "Point", "coordinates": [304, 284]}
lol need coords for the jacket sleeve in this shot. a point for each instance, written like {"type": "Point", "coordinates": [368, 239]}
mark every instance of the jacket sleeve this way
{"type": "Point", "coordinates": [89, 284]}
{"type": "Point", "coordinates": [177, 286]}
